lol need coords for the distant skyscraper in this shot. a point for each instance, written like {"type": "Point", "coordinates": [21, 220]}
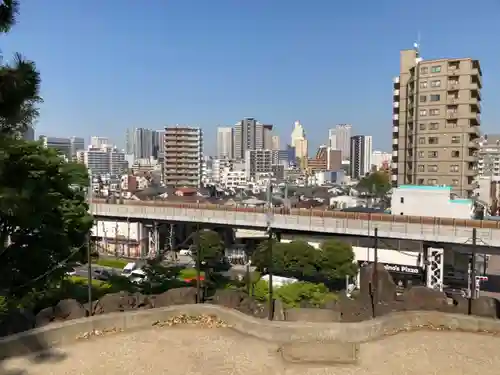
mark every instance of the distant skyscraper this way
{"type": "Point", "coordinates": [299, 141]}
{"type": "Point", "coordinates": [77, 144]}
{"type": "Point", "coordinates": [29, 134]}
{"type": "Point", "coordinates": [275, 142]}
{"type": "Point", "coordinates": [98, 142]}
{"type": "Point", "coordinates": [143, 143]}
{"type": "Point", "coordinates": [343, 139]}
{"type": "Point", "coordinates": [332, 139]}
{"type": "Point", "coordinates": [224, 143]}
{"type": "Point", "coordinates": [249, 134]}
{"type": "Point", "coordinates": [361, 156]}
{"type": "Point", "coordinates": [62, 145]}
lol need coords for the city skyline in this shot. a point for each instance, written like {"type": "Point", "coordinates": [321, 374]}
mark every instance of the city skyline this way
{"type": "Point", "coordinates": [293, 81]}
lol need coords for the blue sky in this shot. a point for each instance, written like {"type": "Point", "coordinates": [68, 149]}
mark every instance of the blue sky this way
{"type": "Point", "coordinates": [111, 64]}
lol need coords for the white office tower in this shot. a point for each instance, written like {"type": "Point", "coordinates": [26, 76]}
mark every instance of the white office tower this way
{"type": "Point", "coordinates": [104, 161]}
{"type": "Point", "coordinates": [224, 142]}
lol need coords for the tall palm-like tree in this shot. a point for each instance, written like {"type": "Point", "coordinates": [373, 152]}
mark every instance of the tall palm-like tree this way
{"type": "Point", "coordinates": [19, 82]}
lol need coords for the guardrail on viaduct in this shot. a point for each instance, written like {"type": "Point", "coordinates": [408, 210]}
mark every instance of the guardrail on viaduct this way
{"type": "Point", "coordinates": [318, 221]}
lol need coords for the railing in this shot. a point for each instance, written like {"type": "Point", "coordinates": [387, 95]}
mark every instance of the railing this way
{"type": "Point", "coordinates": [423, 220]}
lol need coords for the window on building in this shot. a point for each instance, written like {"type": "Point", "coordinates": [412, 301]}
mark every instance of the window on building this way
{"type": "Point", "coordinates": [421, 140]}
{"type": "Point", "coordinates": [423, 84]}
{"type": "Point", "coordinates": [434, 126]}
{"type": "Point", "coordinates": [423, 98]}
{"type": "Point", "coordinates": [422, 126]}
{"type": "Point", "coordinates": [402, 199]}
{"type": "Point", "coordinates": [455, 139]}
{"type": "Point", "coordinates": [420, 181]}
{"type": "Point", "coordinates": [420, 154]}
{"type": "Point", "coordinates": [433, 154]}
{"type": "Point", "coordinates": [454, 182]}
{"type": "Point", "coordinates": [434, 112]}
{"type": "Point", "coordinates": [432, 181]}
{"type": "Point", "coordinates": [423, 112]}
{"type": "Point", "coordinates": [424, 70]}
{"type": "Point", "coordinates": [435, 98]}
{"type": "Point", "coordinates": [421, 168]}
{"type": "Point", "coordinates": [451, 124]}
{"type": "Point", "coordinates": [455, 154]}
{"type": "Point", "coordinates": [454, 168]}
{"type": "Point", "coordinates": [436, 69]}
{"type": "Point", "coordinates": [433, 140]}
{"type": "Point", "coordinates": [432, 168]}
{"type": "Point", "coordinates": [436, 83]}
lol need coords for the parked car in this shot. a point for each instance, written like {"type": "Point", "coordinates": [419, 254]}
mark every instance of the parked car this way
{"type": "Point", "coordinates": [103, 275]}
{"type": "Point", "coordinates": [129, 268]}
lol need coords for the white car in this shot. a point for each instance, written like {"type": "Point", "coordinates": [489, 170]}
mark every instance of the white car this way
{"type": "Point", "coordinates": [138, 276]}
{"type": "Point", "coordinates": [129, 268]}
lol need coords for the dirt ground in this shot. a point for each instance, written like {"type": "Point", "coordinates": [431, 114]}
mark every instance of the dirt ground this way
{"type": "Point", "coordinates": [193, 351]}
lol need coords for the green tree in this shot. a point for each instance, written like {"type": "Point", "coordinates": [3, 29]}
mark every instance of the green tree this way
{"type": "Point", "coordinates": [336, 260]}
{"type": "Point", "coordinates": [377, 184]}
{"type": "Point", "coordinates": [43, 213]}
{"type": "Point", "coordinates": [211, 248]}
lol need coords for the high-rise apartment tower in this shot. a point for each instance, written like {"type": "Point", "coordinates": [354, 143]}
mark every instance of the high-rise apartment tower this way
{"type": "Point", "coordinates": [183, 156]}
{"type": "Point", "coordinates": [436, 119]}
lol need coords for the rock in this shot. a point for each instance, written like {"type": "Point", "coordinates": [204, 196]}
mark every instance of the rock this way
{"type": "Point", "coordinates": [486, 307]}
{"type": "Point", "coordinates": [312, 315]}
{"type": "Point", "coordinates": [332, 305]}
{"type": "Point", "coordinates": [69, 309]}
{"type": "Point", "coordinates": [279, 310]}
{"type": "Point", "coordinates": [44, 317]}
{"type": "Point", "coordinates": [16, 321]}
{"type": "Point", "coordinates": [355, 310]}
{"type": "Point", "coordinates": [423, 298]}
{"type": "Point", "coordinates": [115, 302]}
{"type": "Point", "coordinates": [251, 307]}
{"type": "Point", "coordinates": [385, 290]}
{"type": "Point", "coordinates": [88, 309]}
{"type": "Point", "coordinates": [143, 302]}
{"type": "Point", "coordinates": [228, 298]}
{"type": "Point", "coordinates": [176, 296]}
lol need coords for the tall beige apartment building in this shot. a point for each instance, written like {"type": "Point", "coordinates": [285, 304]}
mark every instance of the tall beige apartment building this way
{"type": "Point", "coordinates": [183, 153]}
{"type": "Point", "coordinates": [436, 119]}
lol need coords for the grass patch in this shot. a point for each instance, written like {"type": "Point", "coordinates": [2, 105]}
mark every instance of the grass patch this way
{"type": "Point", "coordinates": [189, 273]}
{"type": "Point", "coordinates": [113, 263]}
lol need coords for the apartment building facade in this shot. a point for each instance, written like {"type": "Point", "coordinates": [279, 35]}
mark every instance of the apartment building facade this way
{"type": "Point", "coordinates": [250, 134]}
{"type": "Point", "coordinates": [360, 156]}
{"type": "Point", "coordinates": [436, 120]}
{"type": "Point", "coordinates": [183, 156]}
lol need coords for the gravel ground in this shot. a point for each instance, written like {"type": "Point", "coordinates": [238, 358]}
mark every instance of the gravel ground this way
{"type": "Point", "coordinates": [221, 351]}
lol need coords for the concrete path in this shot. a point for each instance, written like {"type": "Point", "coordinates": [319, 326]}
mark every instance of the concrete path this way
{"type": "Point", "coordinates": [191, 351]}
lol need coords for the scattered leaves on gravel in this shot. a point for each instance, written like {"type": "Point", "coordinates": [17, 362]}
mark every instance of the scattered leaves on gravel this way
{"type": "Point", "coordinates": [204, 321]}
{"type": "Point", "coordinates": [96, 332]}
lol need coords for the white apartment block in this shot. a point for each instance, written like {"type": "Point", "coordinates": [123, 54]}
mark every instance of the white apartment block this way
{"type": "Point", "coordinates": [107, 160]}
{"type": "Point", "coordinates": [183, 156]}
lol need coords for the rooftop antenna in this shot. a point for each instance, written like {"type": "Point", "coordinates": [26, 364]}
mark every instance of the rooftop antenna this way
{"type": "Point", "coordinates": [416, 47]}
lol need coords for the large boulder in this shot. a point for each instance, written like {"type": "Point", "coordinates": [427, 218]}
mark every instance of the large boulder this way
{"type": "Point", "coordinates": [312, 315]}
{"type": "Point", "coordinates": [251, 307]}
{"type": "Point", "coordinates": [423, 298]}
{"type": "Point", "coordinates": [115, 302]}
{"type": "Point", "coordinates": [278, 310]}
{"type": "Point", "coordinates": [380, 283]}
{"type": "Point", "coordinates": [16, 321]}
{"type": "Point", "coordinates": [69, 309]}
{"type": "Point", "coordinates": [355, 310]}
{"type": "Point", "coordinates": [176, 296]}
{"type": "Point", "coordinates": [44, 317]}
{"type": "Point", "coordinates": [228, 298]}
{"type": "Point", "coordinates": [485, 306]}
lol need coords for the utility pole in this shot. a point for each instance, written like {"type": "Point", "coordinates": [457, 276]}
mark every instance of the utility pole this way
{"type": "Point", "coordinates": [472, 271]}
{"type": "Point", "coordinates": [198, 263]}
{"type": "Point", "coordinates": [269, 218]}
{"type": "Point", "coordinates": [89, 249]}
{"type": "Point", "coordinates": [374, 284]}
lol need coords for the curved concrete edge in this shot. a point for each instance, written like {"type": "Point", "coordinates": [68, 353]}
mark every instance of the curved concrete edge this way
{"type": "Point", "coordinates": [64, 333]}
